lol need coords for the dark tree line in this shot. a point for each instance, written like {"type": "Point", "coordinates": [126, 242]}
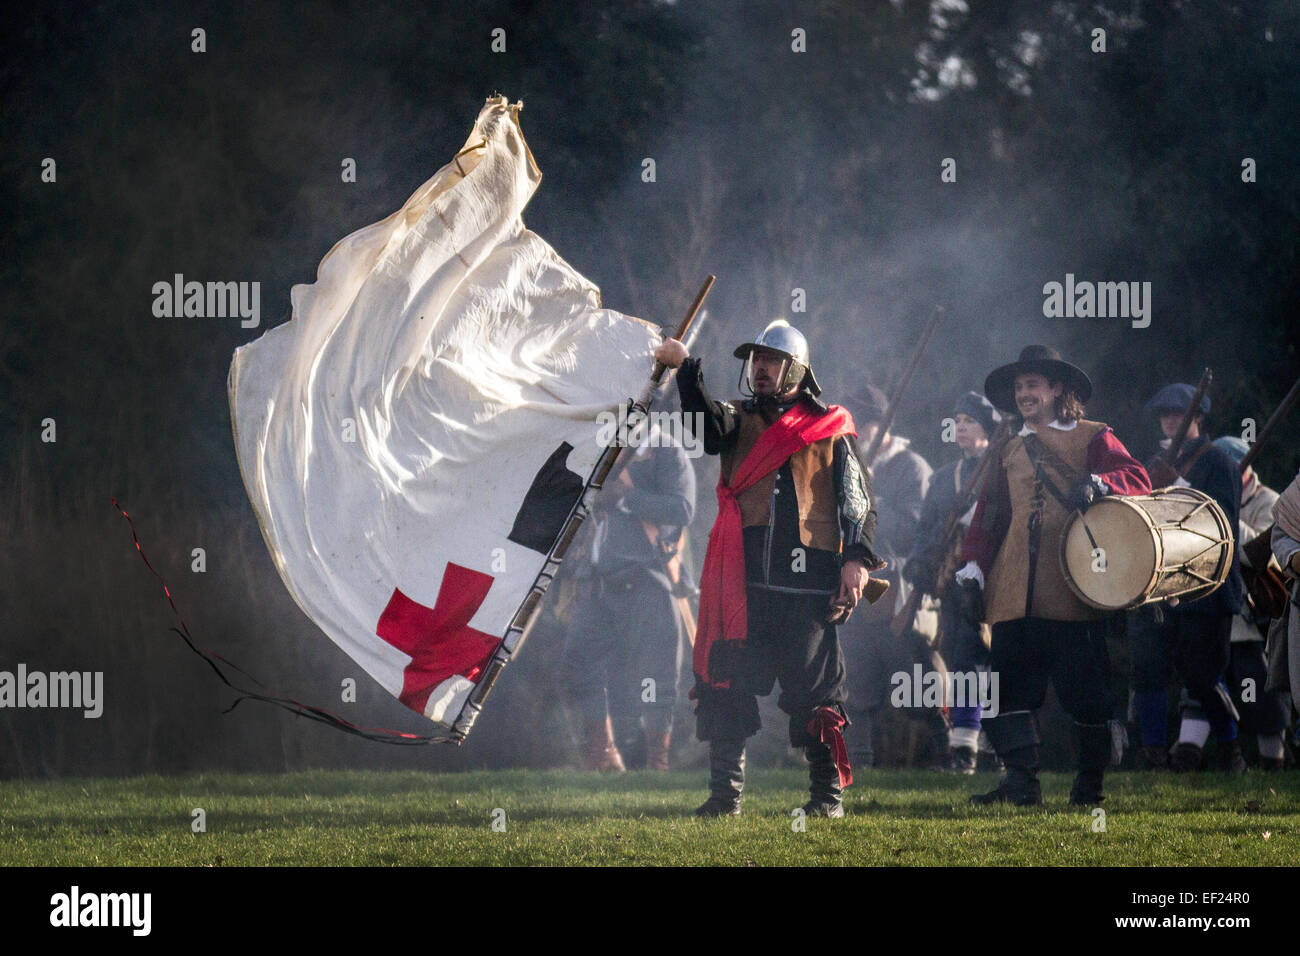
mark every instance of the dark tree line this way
{"type": "Point", "coordinates": [775, 169]}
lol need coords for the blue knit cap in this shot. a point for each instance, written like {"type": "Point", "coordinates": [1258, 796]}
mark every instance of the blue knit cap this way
{"type": "Point", "coordinates": [1235, 448]}
{"type": "Point", "coordinates": [979, 408]}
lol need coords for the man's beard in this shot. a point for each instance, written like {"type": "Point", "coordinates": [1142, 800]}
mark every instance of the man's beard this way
{"type": "Point", "coordinates": [769, 404]}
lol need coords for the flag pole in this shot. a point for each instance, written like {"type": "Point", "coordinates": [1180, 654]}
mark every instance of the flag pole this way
{"type": "Point", "coordinates": [527, 611]}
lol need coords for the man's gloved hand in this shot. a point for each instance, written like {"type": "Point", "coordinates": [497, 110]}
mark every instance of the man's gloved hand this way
{"type": "Point", "coordinates": [1087, 491]}
{"type": "Point", "coordinates": [970, 601]}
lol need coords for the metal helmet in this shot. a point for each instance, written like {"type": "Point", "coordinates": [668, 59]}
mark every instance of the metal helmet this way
{"type": "Point", "coordinates": [783, 339]}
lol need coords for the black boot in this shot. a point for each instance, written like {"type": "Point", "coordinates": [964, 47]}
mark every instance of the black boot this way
{"type": "Point", "coordinates": [726, 779]}
{"type": "Point", "coordinates": [1185, 757]}
{"type": "Point", "coordinates": [962, 760]}
{"type": "Point", "coordinates": [1086, 789]}
{"type": "Point", "coordinates": [1015, 738]}
{"type": "Point", "coordinates": [1020, 786]}
{"type": "Point", "coordinates": [1228, 757]}
{"type": "Point", "coordinates": [827, 797]}
{"type": "Point", "coordinates": [1094, 743]}
{"type": "Point", "coordinates": [1153, 758]}
{"type": "Point", "coordinates": [940, 758]}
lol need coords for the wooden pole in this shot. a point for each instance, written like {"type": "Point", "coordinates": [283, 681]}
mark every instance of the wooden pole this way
{"type": "Point", "coordinates": [527, 611]}
{"type": "Point", "coordinates": [874, 448]}
{"type": "Point", "coordinates": [1163, 468]}
{"type": "Point", "coordinates": [1279, 413]}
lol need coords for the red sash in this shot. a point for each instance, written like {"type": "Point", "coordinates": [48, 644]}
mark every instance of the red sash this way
{"type": "Point", "coordinates": [722, 585]}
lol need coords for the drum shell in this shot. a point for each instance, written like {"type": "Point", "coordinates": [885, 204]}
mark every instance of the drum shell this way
{"type": "Point", "coordinates": [1153, 544]}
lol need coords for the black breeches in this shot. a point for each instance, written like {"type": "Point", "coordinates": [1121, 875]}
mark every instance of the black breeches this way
{"type": "Point", "coordinates": [1262, 711]}
{"type": "Point", "coordinates": [788, 642]}
{"type": "Point", "coordinates": [1194, 645]}
{"type": "Point", "coordinates": [622, 651]}
{"type": "Point", "coordinates": [1028, 652]}
{"type": "Point", "coordinates": [961, 641]}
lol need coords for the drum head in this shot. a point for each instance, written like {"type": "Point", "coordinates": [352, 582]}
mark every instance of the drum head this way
{"type": "Point", "coordinates": [1120, 574]}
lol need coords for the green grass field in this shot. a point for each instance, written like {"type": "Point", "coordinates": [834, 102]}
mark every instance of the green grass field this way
{"type": "Point", "coordinates": [556, 818]}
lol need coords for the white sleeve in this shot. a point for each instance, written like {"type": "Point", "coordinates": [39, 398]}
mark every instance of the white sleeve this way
{"type": "Point", "coordinates": [972, 571]}
{"type": "Point", "coordinates": [1283, 547]}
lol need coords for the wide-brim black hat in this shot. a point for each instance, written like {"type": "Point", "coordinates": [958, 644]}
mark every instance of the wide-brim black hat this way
{"type": "Point", "coordinates": [1000, 386]}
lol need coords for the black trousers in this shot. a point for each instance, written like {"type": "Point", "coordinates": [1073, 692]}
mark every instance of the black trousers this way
{"type": "Point", "coordinates": [1195, 645]}
{"type": "Point", "coordinates": [962, 645]}
{"type": "Point", "coordinates": [622, 652]}
{"type": "Point", "coordinates": [964, 652]}
{"type": "Point", "coordinates": [1028, 652]}
{"type": "Point", "coordinates": [1266, 713]}
{"type": "Point", "coordinates": [788, 642]}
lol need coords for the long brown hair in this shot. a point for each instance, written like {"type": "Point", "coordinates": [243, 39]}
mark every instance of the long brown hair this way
{"type": "Point", "coordinates": [1068, 407]}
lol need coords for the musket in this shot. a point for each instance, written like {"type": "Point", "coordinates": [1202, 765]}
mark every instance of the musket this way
{"type": "Point", "coordinates": [873, 449]}
{"type": "Point", "coordinates": [1273, 420]}
{"type": "Point", "coordinates": [670, 553]}
{"type": "Point", "coordinates": [526, 613]}
{"type": "Point", "coordinates": [952, 524]}
{"type": "Point", "coordinates": [1170, 454]}
{"type": "Point", "coordinates": [1265, 585]}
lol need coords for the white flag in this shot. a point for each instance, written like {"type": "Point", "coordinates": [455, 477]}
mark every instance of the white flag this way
{"type": "Point", "coordinates": [414, 438]}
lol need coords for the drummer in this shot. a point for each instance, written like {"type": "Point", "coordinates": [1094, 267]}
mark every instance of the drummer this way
{"type": "Point", "coordinates": [1056, 463]}
{"type": "Point", "coordinates": [1193, 637]}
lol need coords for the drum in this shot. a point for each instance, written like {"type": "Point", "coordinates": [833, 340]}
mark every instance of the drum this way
{"type": "Point", "coordinates": [1126, 552]}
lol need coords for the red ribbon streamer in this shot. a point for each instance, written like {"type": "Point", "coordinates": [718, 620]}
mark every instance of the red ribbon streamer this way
{"type": "Point", "coordinates": [378, 734]}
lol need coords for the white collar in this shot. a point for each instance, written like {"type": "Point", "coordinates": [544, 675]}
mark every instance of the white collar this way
{"type": "Point", "coordinates": [1054, 423]}
{"type": "Point", "coordinates": [1252, 486]}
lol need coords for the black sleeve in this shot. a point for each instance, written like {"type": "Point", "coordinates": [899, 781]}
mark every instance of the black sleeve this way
{"type": "Point", "coordinates": [1222, 482]}
{"type": "Point", "coordinates": [721, 423]}
{"type": "Point", "coordinates": [857, 506]}
{"type": "Point", "coordinates": [909, 476]}
{"type": "Point", "coordinates": [939, 500]}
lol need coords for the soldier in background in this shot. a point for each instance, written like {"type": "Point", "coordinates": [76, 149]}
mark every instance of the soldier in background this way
{"type": "Point", "coordinates": [1263, 712]}
{"type": "Point", "coordinates": [965, 645]}
{"type": "Point", "coordinates": [1284, 633]}
{"type": "Point", "coordinates": [899, 479]}
{"type": "Point", "coordinates": [622, 651]}
{"type": "Point", "coordinates": [1194, 636]}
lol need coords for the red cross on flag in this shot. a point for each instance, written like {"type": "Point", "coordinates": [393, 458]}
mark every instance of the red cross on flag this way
{"type": "Point", "coordinates": [414, 438]}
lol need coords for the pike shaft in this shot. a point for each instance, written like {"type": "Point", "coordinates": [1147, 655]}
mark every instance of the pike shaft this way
{"type": "Point", "coordinates": [527, 612]}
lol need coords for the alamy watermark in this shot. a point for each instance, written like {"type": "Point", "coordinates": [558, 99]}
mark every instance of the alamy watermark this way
{"type": "Point", "coordinates": [655, 429]}
{"type": "Point", "coordinates": [37, 689]}
{"type": "Point", "coordinates": [922, 688]}
{"type": "Point", "coordinates": [1098, 300]}
{"type": "Point", "coordinates": [208, 300]}
{"type": "Point", "coordinates": [75, 908]}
